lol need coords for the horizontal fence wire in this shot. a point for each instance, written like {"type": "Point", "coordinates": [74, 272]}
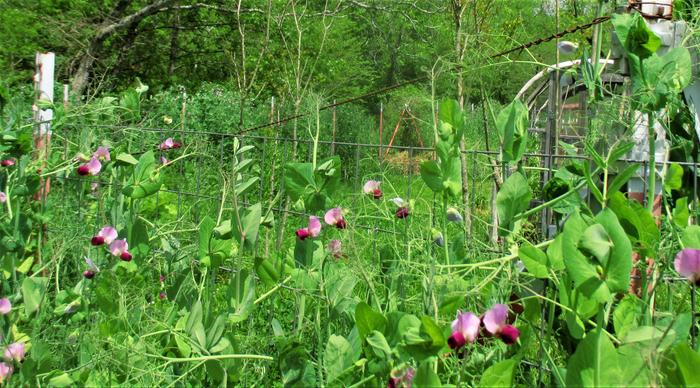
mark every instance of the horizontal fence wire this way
{"type": "Point", "coordinates": [193, 189]}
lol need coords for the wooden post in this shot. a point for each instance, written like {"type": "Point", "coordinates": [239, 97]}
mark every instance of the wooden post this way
{"type": "Point", "coordinates": [43, 88]}
{"type": "Point", "coordinates": [333, 141]}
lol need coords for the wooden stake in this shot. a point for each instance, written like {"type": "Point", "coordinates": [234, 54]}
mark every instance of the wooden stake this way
{"type": "Point", "coordinates": [43, 88]}
{"type": "Point", "coordinates": [333, 141]}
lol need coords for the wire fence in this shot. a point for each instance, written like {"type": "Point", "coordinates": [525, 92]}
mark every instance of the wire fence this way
{"type": "Point", "coordinates": [194, 188]}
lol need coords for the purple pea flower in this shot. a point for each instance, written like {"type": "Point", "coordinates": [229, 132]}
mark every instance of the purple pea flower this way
{"type": "Point", "coordinates": [372, 187]}
{"type": "Point", "coordinates": [120, 248]}
{"type": "Point", "coordinates": [105, 236]}
{"type": "Point", "coordinates": [465, 329]}
{"type": "Point", "coordinates": [102, 153]}
{"type": "Point", "coordinates": [91, 270]}
{"type": "Point", "coordinates": [3, 197]}
{"type": "Point", "coordinates": [312, 230]}
{"type": "Point", "coordinates": [5, 306]}
{"type": "Point", "coordinates": [335, 248]}
{"type": "Point", "coordinates": [334, 217]}
{"type": "Point", "coordinates": [93, 167]}
{"type": "Point", "coordinates": [687, 264]}
{"type": "Point", "coordinates": [169, 143]}
{"type": "Point", "coordinates": [14, 351]}
{"type": "Point", "coordinates": [5, 371]}
{"type": "Point", "coordinates": [495, 324]}
{"type": "Point", "coordinates": [402, 210]}
{"type": "Point", "coordinates": [7, 162]}
{"type": "Point", "coordinates": [401, 377]}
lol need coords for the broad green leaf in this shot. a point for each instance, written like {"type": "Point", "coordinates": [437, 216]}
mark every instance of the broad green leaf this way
{"type": "Point", "coordinates": [368, 320]}
{"type": "Point", "coordinates": [127, 159]}
{"type": "Point", "coordinates": [145, 180]}
{"type": "Point", "coordinates": [60, 379]}
{"type": "Point", "coordinates": [298, 179]}
{"type": "Point", "coordinates": [380, 347]}
{"type": "Point", "coordinates": [241, 295]}
{"type": "Point", "coordinates": [425, 376]}
{"type": "Point", "coordinates": [250, 224]}
{"type": "Point", "coordinates": [512, 124]}
{"type": "Point", "coordinates": [138, 239]}
{"type": "Point", "coordinates": [513, 199]}
{"type": "Point", "coordinates": [595, 363]}
{"type": "Point", "coordinates": [691, 237]}
{"type": "Point", "coordinates": [499, 375]}
{"type": "Point", "coordinates": [297, 370]}
{"type": "Point", "coordinates": [635, 35]}
{"type": "Point", "coordinates": [673, 180]}
{"type": "Point", "coordinates": [337, 357]}
{"type": "Point", "coordinates": [622, 177]}
{"type": "Point", "coordinates": [33, 290]}
{"type": "Point", "coordinates": [680, 367]}
{"type": "Point", "coordinates": [432, 176]}
{"type": "Point", "coordinates": [619, 265]}
{"type": "Point", "coordinates": [638, 223]}
{"type": "Point", "coordinates": [534, 259]}
{"type": "Point", "coordinates": [681, 212]}
{"type": "Point", "coordinates": [595, 241]}
{"type": "Point", "coordinates": [625, 315]}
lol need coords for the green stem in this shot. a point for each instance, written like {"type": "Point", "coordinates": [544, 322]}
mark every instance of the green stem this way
{"type": "Point", "coordinates": [651, 190]}
{"type": "Point", "coordinates": [444, 231]}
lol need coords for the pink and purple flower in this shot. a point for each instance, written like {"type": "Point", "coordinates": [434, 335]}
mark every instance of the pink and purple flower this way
{"type": "Point", "coordinates": [169, 144]}
{"type": "Point", "coordinates": [102, 153]}
{"type": "Point", "coordinates": [465, 329]}
{"type": "Point", "coordinates": [120, 248]}
{"type": "Point", "coordinates": [687, 264]}
{"type": "Point", "coordinates": [372, 187]}
{"type": "Point", "coordinates": [334, 217]}
{"type": "Point", "coordinates": [5, 306]}
{"type": "Point", "coordinates": [495, 323]}
{"type": "Point", "coordinates": [312, 230]}
{"type": "Point", "coordinates": [14, 351]}
{"type": "Point", "coordinates": [93, 167]}
{"type": "Point", "coordinates": [105, 236]}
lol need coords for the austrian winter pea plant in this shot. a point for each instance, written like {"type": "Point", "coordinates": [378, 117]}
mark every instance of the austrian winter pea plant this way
{"type": "Point", "coordinates": [619, 340]}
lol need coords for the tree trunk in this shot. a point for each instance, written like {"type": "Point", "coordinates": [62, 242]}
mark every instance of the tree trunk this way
{"type": "Point", "coordinates": [86, 62]}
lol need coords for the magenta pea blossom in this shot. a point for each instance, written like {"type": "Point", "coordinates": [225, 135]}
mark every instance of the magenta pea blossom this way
{"type": "Point", "coordinates": [3, 197]}
{"type": "Point", "coordinates": [91, 270]}
{"type": "Point", "coordinates": [402, 210]}
{"type": "Point", "coordinates": [465, 329]}
{"type": "Point", "coordinates": [163, 160]}
{"type": "Point", "coordinates": [102, 153]}
{"type": "Point", "coordinates": [93, 167]}
{"type": "Point", "coordinates": [120, 248]}
{"type": "Point", "coordinates": [105, 236]}
{"type": "Point", "coordinates": [453, 215]}
{"type": "Point", "coordinates": [334, 217]}
{"type": "Point", "coordinates": [312, 230]}
{"type": "Point", "coordinates": [169, 143]}
{"type": "Point", "coordinates": [372, 187]}
{"type": "Point", "coordinates": [401, 377]}
{"type": "Point", "coordinates": [687, 264]}
{"type": "Point", "coordinates": [495, 324]}
{"type": "Point", "coordinates": [7, 162]}
{"type": "Point", "coordinates": [335, 248]}
{"type": "Point", "coordinates": [14, 351]}
{"type": "Point", "coordinates": [5, 306]}
{"type": "Point", "coordinates": [5, 371]}
{"type": "Point", "coordinates": [162, 295]}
